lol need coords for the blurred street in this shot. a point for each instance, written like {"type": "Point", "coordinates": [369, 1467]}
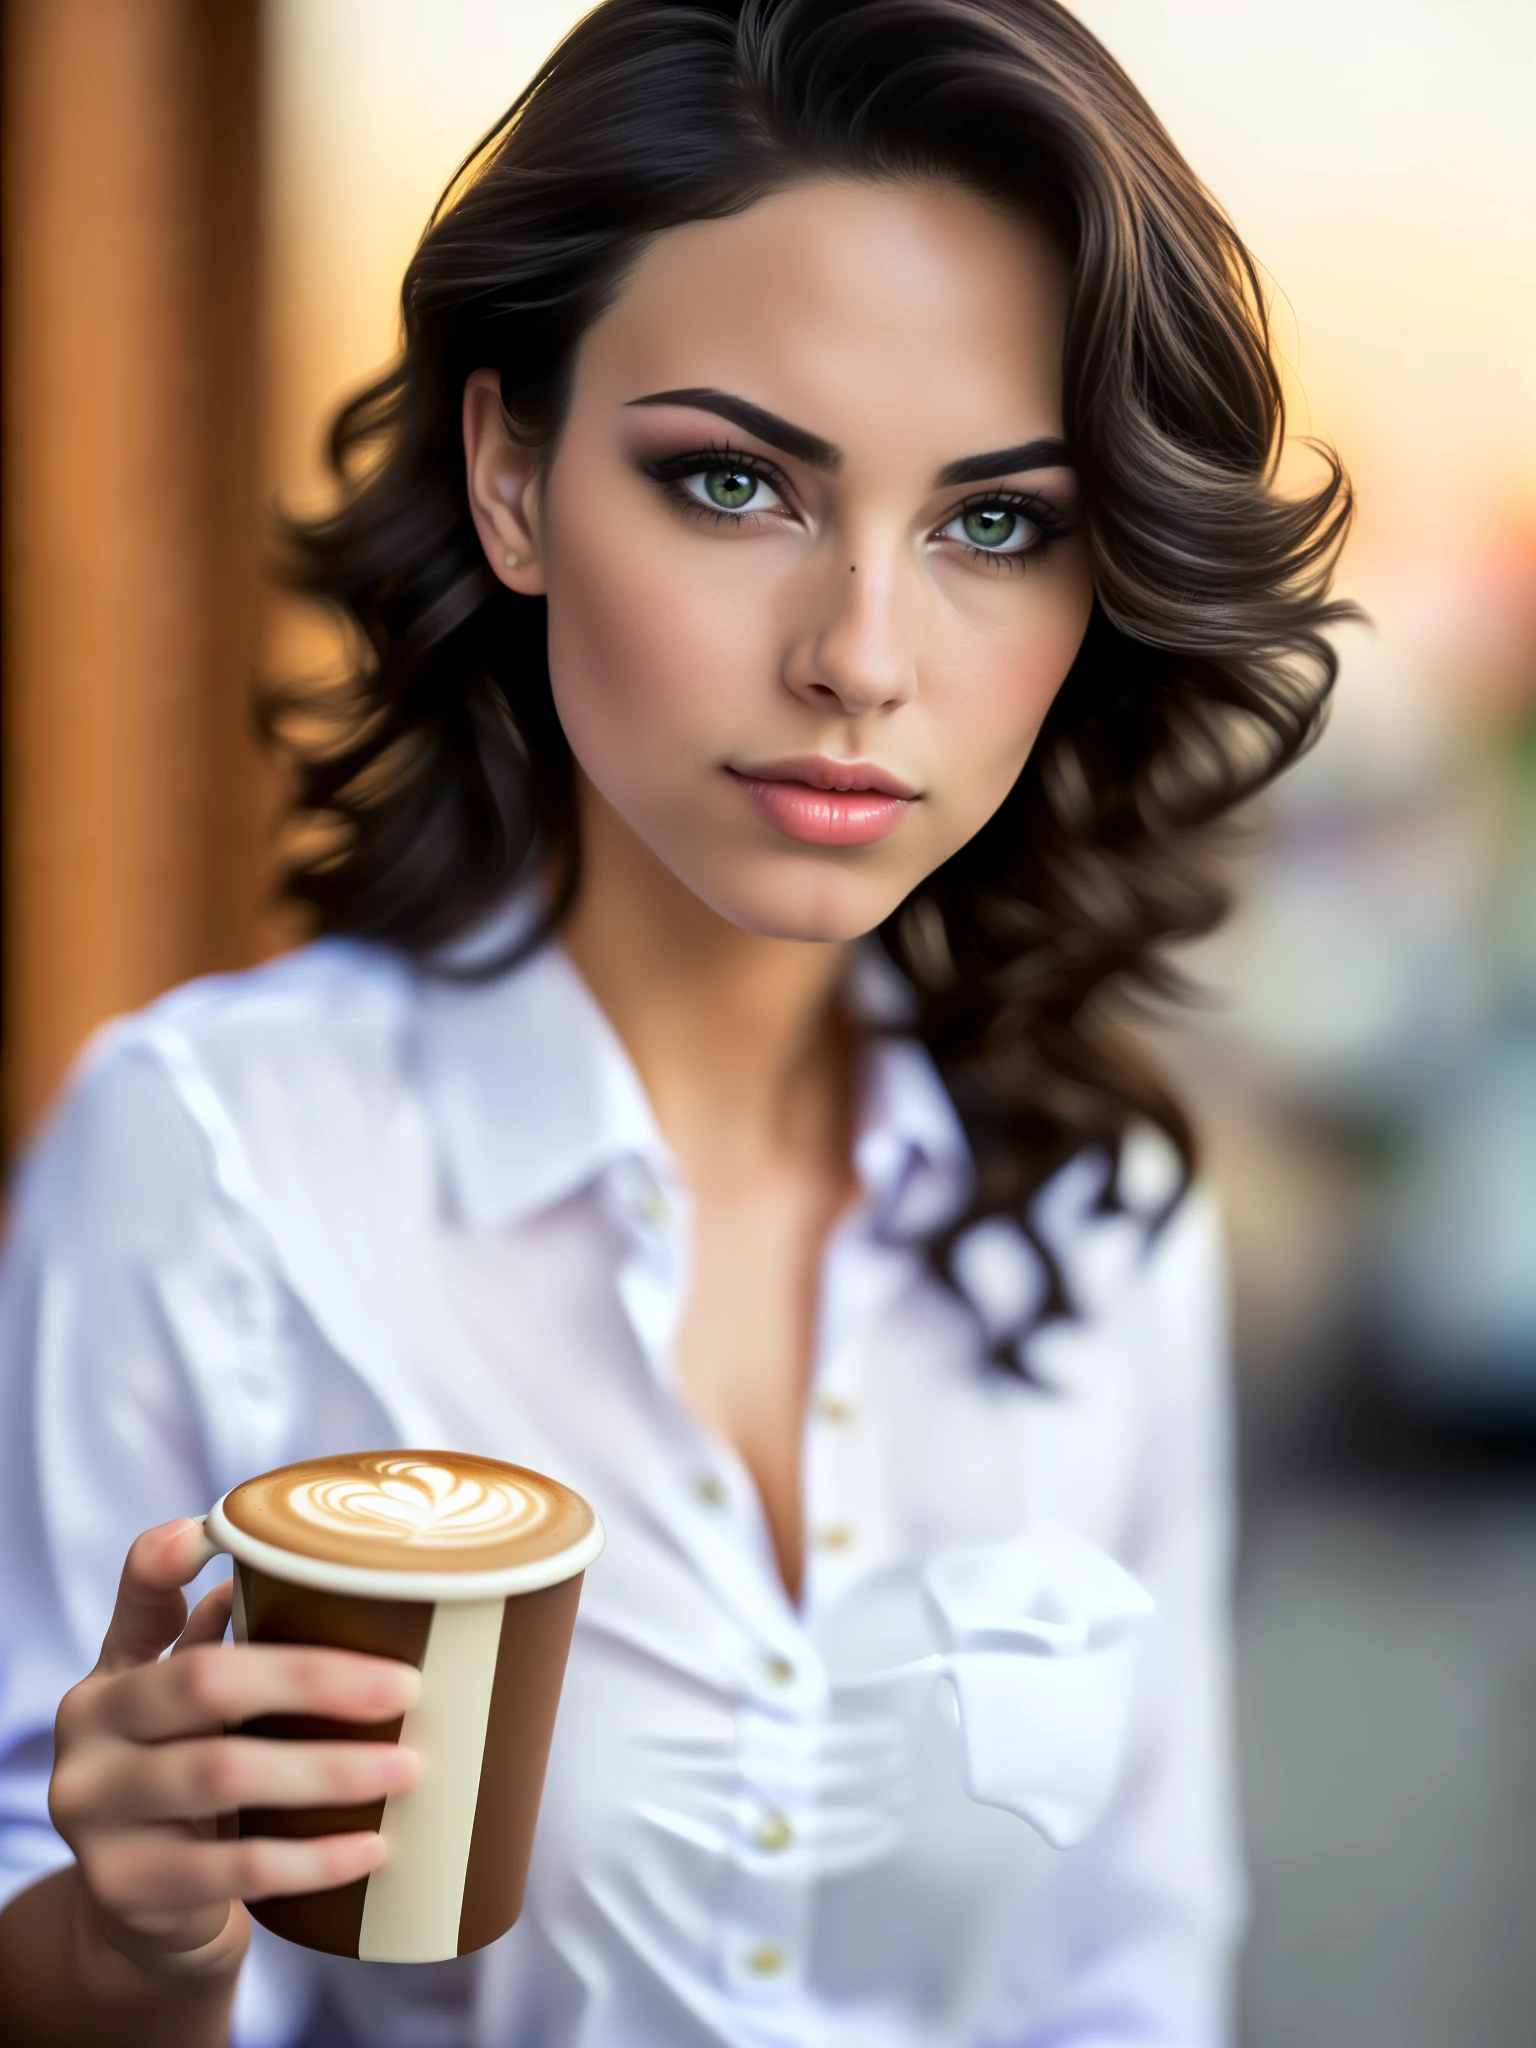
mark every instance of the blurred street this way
{"type": "Point", "coordinates": [1387, 1694]}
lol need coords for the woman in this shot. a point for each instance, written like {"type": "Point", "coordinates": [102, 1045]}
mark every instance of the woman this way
{"type": "Point", "coordinates": [816, 579]}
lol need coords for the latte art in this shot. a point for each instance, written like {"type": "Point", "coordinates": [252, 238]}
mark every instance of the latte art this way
{"type": "Point", "coordinates": [412, 1501]}
{"type": "Point", "coordinates": [412, 1511]}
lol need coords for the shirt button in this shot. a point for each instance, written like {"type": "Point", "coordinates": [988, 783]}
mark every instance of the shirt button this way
{"type": "Point", "coordinates": [774, 1832]}
{"type": "Point", "coordinates": [710, 1490]}
{"type": "Point", "coordinates": [652, 1207]}
{"type": "Point", "coordinates": [833, 1408]}
{"type": "Point", "coordinates": [766, 1960]}
{"type": "Point", "coordinates": [779, 1671]}
{"type": "Point", "coordinates": [834, 1537]}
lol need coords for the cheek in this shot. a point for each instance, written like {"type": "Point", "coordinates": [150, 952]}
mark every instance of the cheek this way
{"type": "Point", "coordinates": [648, 656]}
{"type": "Point", "coordinates": [992, 686]}
{"type": "Point", "coordinates": [620, 648]}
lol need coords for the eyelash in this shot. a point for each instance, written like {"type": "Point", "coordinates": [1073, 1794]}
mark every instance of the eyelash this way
{"type": "Point", "coordinates": [1040, 513]}
{"type": "Point", "coordinates": [671, 471]}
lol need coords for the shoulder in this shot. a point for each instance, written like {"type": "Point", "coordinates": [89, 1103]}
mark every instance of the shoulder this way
{"type": "Point", "coordinates": [1182, 1265]}
{"type": "Point", "coordinates": [180, 1094]}
{"type": "Point", "coordinates": [326, 1002]}
{"type": "Point", "coordinates": [330, 1016]}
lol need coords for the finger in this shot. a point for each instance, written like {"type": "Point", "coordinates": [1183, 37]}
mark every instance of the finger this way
{"type": "Point", "coordinates": [213, 1686]}
{"type": "Point", "coordinates": [200, 1943]}
{"type": "Point", "coordinates": [144, 1876]}
{"type": "Point", "coordinates": [150, 1610]}
{"type": "Point", "coordinates": [119, 1785]}
{"type": "Point", "coordinates": [208, 1619]}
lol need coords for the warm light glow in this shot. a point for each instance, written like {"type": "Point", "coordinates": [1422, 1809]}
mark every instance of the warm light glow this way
{"type": "Point", "coordinates": [1376, 157]}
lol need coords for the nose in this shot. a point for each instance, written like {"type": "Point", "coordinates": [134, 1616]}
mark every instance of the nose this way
{"type": "Point", "coordinates": [857, 654]}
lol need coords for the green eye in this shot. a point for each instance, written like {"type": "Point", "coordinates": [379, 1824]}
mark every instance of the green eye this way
{"type": "Point", "coordinates": [1013, 534]}
{"type": "Point", "coordinates": [722, 482]}
{"type": "Point", "coordinates": [730, 489]}
{"type": "Point", "coordinates": [990, 526]}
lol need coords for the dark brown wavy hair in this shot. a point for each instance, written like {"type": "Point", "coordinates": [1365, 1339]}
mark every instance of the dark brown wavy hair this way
{"type": "Point", "coordinates": [439, 772]}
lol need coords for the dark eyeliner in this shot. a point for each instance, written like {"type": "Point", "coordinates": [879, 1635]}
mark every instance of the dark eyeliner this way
{"type": "Point", "coordinates": [1050, 519]}
{"type": "Point", "coordinates": [670, 470]}
{"type": "Point", "coordinates": [1052, 523]}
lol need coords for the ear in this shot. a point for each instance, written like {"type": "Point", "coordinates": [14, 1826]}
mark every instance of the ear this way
{"type": "Point", "coordinates": [503, 479]}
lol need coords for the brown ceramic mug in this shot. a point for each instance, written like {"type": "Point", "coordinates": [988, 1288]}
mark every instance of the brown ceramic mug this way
{"type": "Point", "coordinates": [469, 1569]}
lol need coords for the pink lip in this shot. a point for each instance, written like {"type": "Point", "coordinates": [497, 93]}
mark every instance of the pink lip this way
{"type": "Point", "coordinates": [822, 802]}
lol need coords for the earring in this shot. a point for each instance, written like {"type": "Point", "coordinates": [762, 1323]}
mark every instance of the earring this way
{"type": "Point", "coordinates": [512, 560]}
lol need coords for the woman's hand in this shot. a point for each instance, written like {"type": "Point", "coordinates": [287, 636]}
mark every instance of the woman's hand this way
{"type": "Point", "coordinates": [143, 1767]}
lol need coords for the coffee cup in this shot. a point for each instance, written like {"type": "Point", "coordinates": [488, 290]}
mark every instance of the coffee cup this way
{"type": "Point", "coordinates": [471, 1570]}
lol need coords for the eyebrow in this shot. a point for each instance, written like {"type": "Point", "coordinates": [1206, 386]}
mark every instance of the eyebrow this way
{"type": "Point", "coordinates": [756, 420]}
{"type": "Point", "coordinates": [1045, 453]}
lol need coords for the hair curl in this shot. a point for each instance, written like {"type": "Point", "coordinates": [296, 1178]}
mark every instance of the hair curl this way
{"type": "Point", "coordinates": [441, 772]}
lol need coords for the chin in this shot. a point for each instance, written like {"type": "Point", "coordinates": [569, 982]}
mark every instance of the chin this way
{"type": "Point", "coordinates": [815, 903]}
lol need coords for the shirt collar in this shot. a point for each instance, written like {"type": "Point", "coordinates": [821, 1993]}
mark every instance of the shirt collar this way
{"type": "Point", "coordinates": [910, 1153]}
{"type": "Point", "coordinates": [531, 1096]}
{"type": "Point", "coordinates": [529, 1090]}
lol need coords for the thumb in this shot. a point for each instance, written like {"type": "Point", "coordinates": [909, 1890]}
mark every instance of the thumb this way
{"type": "Point", "coordinates": [151, 1611]}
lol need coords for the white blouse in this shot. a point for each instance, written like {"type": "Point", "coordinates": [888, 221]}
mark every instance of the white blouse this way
{"type": "Point", "coordinates": [333, 1204]}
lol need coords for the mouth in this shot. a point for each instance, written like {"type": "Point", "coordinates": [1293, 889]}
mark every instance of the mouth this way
{"type": "Point", "coordinates": [819, 801]}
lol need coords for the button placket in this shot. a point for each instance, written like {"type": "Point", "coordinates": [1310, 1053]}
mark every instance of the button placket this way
{"type": "Point", "coordinates": [775, 1831]}
{"type": "Point", "coordinates": [779, 1672]}
{"type": "Point", "coordinates": [763, 1959]}
{"type": "Point", "coordinates": [837, 1545]}
{"type": "Point", "coordinates": [778, 1779]}
{"type": "Point", "coordinates": [652, 1275]}
{"type": "Point", "coordinates": [817, 1797]}
{"type": "Point", "coordinates": [769, 1893]}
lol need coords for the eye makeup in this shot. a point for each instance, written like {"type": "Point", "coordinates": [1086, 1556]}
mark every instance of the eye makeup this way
{"type": "Point", "coordinates": [1026, 509]}
{"type": "Point", "coordinates": [1012, 550]}
{"type": "Point", "coordinates": [673, 472]}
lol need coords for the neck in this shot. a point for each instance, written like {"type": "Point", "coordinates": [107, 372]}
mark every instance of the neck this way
{"type": "Point", "coordinates": [739, 1039]}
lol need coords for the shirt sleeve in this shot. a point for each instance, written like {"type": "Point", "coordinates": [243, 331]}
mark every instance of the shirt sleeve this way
{"type": "Point", "coordinates": [142, 1363]}
{"type": "Point", "coordinates": [1135, 1943]}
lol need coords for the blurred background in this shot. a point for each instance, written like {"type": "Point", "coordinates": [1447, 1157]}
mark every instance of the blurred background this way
{"type": "Point", "coordinates": [208, 207]}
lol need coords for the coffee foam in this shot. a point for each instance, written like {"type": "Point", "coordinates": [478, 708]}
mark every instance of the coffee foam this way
{"type": "Point", "coordinates": [411, 1511]}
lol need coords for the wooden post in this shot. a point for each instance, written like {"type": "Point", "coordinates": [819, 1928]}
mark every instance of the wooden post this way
{"type": "Point", "coordinates": [135, 805]}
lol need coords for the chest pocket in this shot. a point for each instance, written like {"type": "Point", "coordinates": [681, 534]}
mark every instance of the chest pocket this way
{"type": "Point", "coordinates": [1038, 1638]}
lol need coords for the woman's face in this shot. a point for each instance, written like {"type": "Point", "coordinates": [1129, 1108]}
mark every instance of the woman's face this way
{"type": "Point", "coordinates": [810, 544]}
